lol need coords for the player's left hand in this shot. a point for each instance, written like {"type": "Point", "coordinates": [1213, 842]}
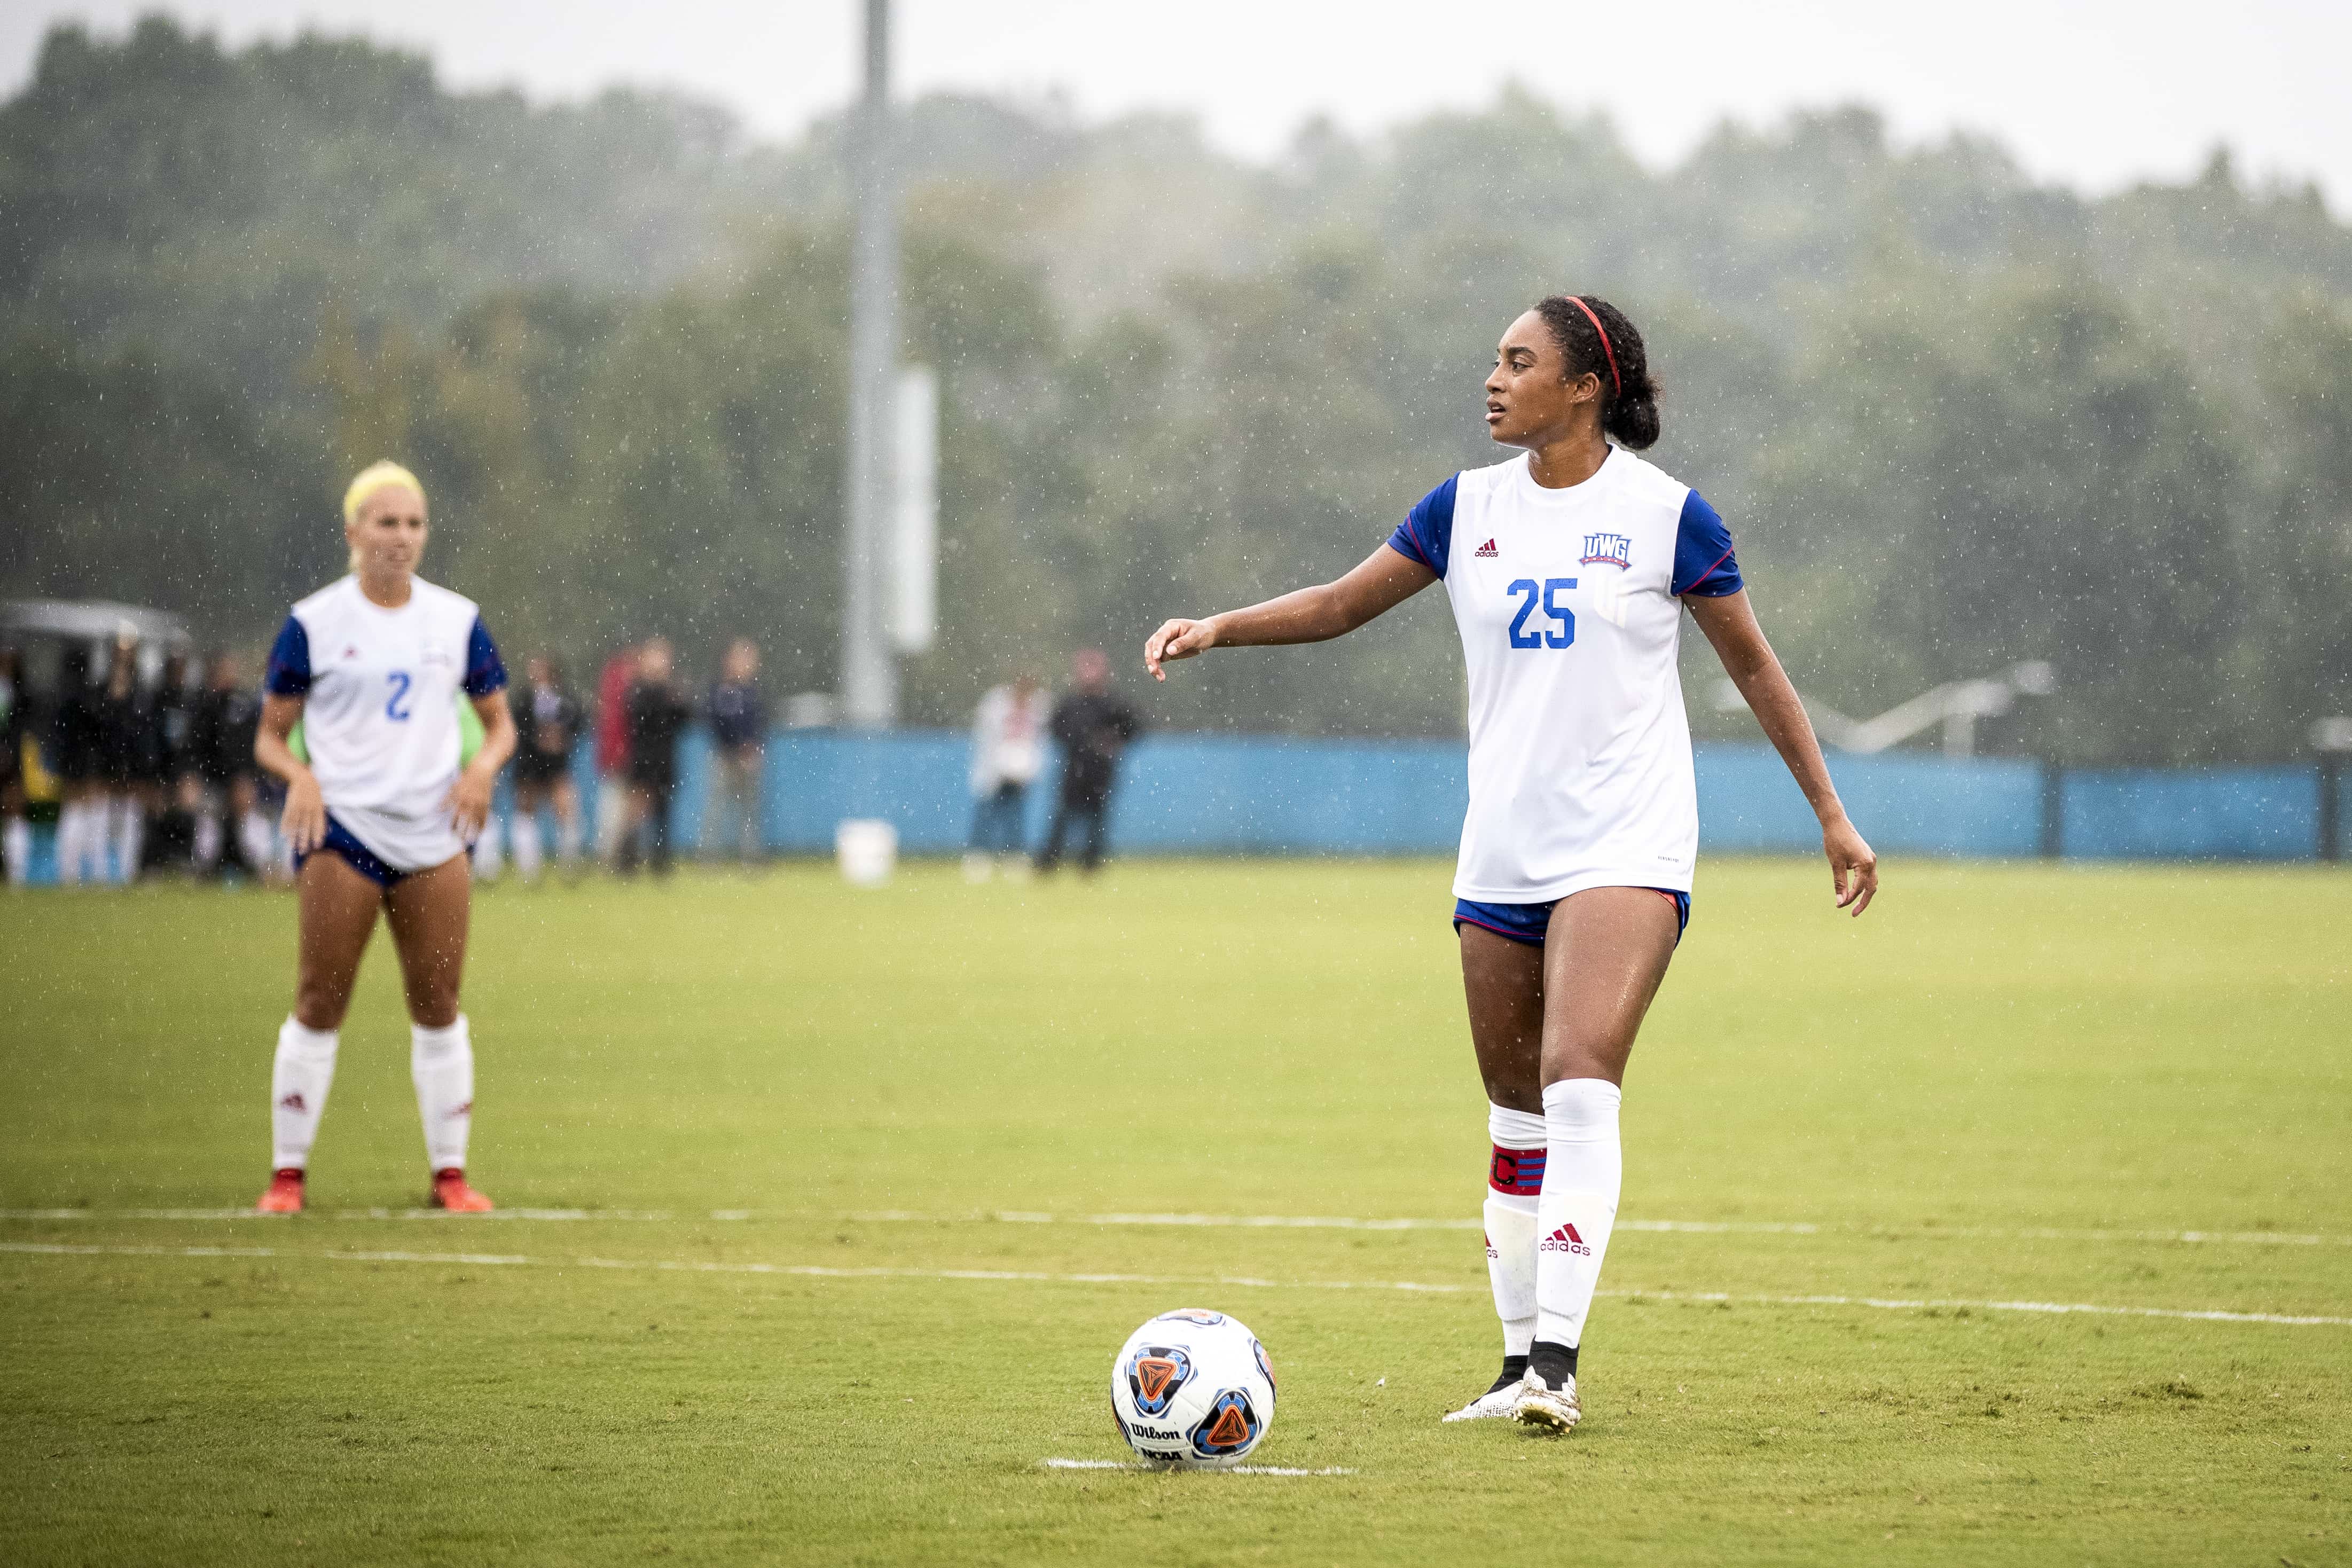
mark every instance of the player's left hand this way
{"type": "Point", "coordinates": [1853, 865]}
{"type": "Point", "coordinates": [469, 802]}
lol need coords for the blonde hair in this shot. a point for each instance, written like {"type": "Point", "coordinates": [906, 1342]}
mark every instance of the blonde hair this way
{"type": "Point", "coordinates": [376, 476]}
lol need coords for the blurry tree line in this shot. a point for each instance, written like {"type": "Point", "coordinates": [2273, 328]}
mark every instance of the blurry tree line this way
{"type": "Point", "coordinates": [1956, 419]}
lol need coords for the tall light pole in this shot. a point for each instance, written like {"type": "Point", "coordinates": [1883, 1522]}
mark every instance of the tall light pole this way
{"type": "Point", "coordinates": [870, 675]}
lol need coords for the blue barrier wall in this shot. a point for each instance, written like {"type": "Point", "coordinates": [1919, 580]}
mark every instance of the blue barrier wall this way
{"type": "Point", "coordinates": [1266, 794]}
{"type": "Point", "coordinates": [2224, 814]}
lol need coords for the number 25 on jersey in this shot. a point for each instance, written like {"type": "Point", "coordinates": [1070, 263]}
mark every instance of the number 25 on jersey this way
{"type": "Point", "coordinates": [1545, 594]}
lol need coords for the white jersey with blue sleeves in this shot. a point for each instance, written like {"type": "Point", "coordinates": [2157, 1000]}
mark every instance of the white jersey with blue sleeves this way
{"type": "Point", "coordinates": [380, 710]}
{"type": "Point", "coordinates": [1570, 606]}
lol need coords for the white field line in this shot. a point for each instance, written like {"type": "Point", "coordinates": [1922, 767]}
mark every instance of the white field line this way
{"type": "Point", "coordinates": [1229, 1470]}
{"type": "Point", "coordinates": [816, 1271]}
{"type": "Point", "coordinates": [1214, 1221]}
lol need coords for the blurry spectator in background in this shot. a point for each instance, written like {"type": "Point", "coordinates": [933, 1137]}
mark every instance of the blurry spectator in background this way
{"type": "Point", "coordinates": [73, 746]}
{"type": "Point", "coordinates": [739, 735]}
{"type": "Point", "coordinates": [613, 807]}
{"type": "Point", "coordinates": [1095, 725]}
{"type": "Point", "coordinates": [1008, 747]}
{"type": "Point", "coordinates": [176, 796]}
{"type": "Point", "coordinates": [547, 721]}
{"type": "Point", "coordinates": [658, 714]}
{"type": "Point", "coordinates": [16, 833]}
{"type": "Point", "coordinates": [232, 833]}
{"type": "Point", "coordinates": [130, 754]}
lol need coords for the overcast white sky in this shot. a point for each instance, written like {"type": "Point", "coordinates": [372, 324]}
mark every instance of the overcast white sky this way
{"type": "Point", "coordinates": [2093, 92]}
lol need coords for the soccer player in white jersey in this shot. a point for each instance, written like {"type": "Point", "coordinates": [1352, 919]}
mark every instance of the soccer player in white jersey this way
{"type": "Point", "coordinates": [379, 817]}
{"type": "Point", "coordinates": [1569, 568]}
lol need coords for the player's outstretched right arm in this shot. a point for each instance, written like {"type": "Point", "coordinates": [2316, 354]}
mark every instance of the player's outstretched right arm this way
{"type": "Point", "coordinates": [1384, 580]}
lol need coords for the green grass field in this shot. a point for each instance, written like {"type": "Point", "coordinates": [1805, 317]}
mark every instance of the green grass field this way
{"type": "Point", "coordinates": [875, 1183]}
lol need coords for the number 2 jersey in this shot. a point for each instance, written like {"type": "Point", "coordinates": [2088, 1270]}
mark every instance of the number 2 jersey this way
{"type": "Point", "coordinates": [1569, 603]}
{"type": "Point", "coordinates": [379, 715]}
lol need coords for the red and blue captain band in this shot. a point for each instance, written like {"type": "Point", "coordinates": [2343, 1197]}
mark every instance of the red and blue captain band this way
{"type": "Point", "coordinates": [1518, 1173]}
{"type": "Point", "coordinates": [1528, 922]}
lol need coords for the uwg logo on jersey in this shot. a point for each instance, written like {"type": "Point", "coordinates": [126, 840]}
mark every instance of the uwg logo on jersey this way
{"type": "Point", "coordinates": [1607, 550]}
{"type": "Point", "coordinates": [1564, 1239]}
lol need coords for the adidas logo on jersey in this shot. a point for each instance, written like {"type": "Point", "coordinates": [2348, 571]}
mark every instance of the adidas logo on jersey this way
{"type": "Point", "coordinates": [1564, 1239]}
{"type": "Point", "coordinates": [1487, 551]}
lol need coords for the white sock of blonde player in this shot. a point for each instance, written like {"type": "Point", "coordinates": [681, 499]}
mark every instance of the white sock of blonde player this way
{"type": "Point", "coordinates": [1514, 1179]}
{"type": "Point", "coordinates": [17, 844]}
{"type": "Point", "coordinates": [441, 1061]}
{"type": "Point", "coordinates": [529, 854]}
{"type": "Point", "coordinates": [299, 1081]}
{"type": "Point", "coordinates": [126, 832]}
{"type": "Point", "coordinates": [486, 859]}
{"type": "Point", "coordinates": [1584, 1168]}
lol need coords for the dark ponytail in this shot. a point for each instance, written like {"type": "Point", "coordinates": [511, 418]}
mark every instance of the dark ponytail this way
{"type": "Point", "coordinates": [1595, 339]}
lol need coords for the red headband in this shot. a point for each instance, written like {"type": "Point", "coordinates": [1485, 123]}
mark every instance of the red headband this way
{"type": "Point", "coordinates": [1616, 381]}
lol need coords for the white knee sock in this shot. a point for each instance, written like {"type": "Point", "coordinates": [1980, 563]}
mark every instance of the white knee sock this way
{"type": "Point", "coordinates": [441, 1063]}
{"type": "Point", "coordinates": [298, 1082]}
{"type": "Point", "coordinates": [17, 844]}
{"type": "Point", "coordinates": [523, 832]}
{"type": "Point", "coordinates": [485, 851]}
{"type": "Point", "coordinates": [207, 846]}
{"type": "Point", "coordinates": [69, 820]}
{"type": "Point", "coordinates": [128, 829]}
{"type": "Point", "coordinates": [1584, 1167]}
{"type": "Point", "coordinates": [567, 839]}
{"type": "Point", "coordinates": [1514, 1178]}
{"type": "Point", "coordinates": [259, 842]}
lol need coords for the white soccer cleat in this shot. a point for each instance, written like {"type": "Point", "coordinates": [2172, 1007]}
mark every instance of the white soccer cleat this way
{"type": "Point", "coordinates": [1548, 1408]}
{"type": "Point", "coordinates": [1497, 1401]}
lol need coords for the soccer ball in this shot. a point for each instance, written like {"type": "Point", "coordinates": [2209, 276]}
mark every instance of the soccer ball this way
{"type": "Point", "coordinates": [1193, 1390]}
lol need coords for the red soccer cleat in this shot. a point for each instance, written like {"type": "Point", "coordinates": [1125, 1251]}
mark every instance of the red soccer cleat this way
{"type": "Point", "coordinates": [285, 1194]}
{"type": "Point", "coordinates": [450, 1192]}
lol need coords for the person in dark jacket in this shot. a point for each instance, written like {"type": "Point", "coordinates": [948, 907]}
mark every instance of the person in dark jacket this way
{"type": "Point", "coordinates": [172, 794]}
{"type": "Point", "coordinates": [233, 835]}
{"type": "Point", "coordinates": [130, 752]}
{"type": "Point", "coordinates": [15, 831]}
{"type": "Point", "coordinates": [74, 748]}
{"type": "Point", "coordinates": [547, 723]}
{"type": "Point", "coordinates": [1095, 725]}
{"type": "Point", "coordinates": [657, 715]}
{"type": "Point", "coordinates": [739, 735]}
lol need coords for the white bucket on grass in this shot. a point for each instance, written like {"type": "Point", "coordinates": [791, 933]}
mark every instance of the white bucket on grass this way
{"type": "Point", "coordinates": [867, 849]}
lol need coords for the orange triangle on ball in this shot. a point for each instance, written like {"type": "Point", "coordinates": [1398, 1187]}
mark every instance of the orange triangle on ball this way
{"type": "Point", "coordinates": [1153, 1375]}
{"type": "Point", "coordinates": [1231, 1427]}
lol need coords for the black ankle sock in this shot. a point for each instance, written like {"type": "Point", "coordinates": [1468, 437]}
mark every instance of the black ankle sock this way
{"type": "Point", "coordinates": [1514, 1367]}
{"type": "Point", "coordinates": [1552, 1362]}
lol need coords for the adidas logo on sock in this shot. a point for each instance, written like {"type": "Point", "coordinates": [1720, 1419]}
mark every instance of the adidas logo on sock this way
{"type": "Point", "coordinates": [1485, 551]}
{"type": "Point", "coordinates": [1564, 1239]}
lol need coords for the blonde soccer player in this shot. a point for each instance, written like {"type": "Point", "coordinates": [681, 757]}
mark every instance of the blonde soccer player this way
{"type": "Point", "coordinates": [1570, 568]}
{"type": "Point", "coordinates": [380, 807]}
